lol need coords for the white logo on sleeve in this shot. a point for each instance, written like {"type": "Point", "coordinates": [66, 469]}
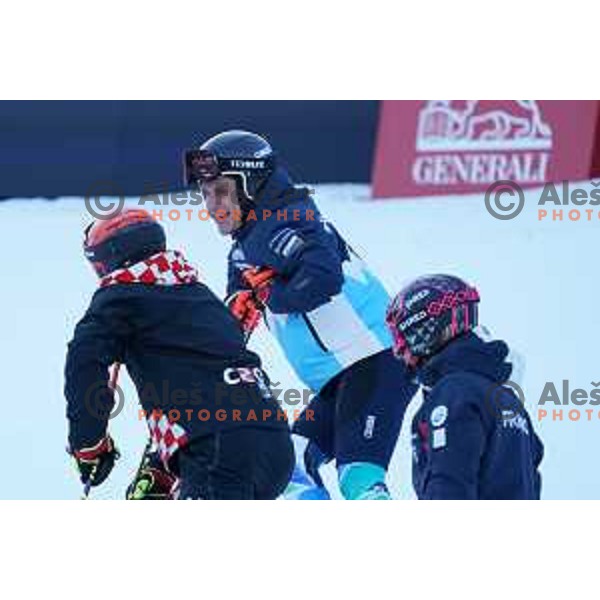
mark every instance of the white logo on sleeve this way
{"type": "Point", "coordinates": [511, 420]}
{"type": "Point", "coordinates": [369, 427]}
{"type": "Point", "coordinates": [438, 438]}
{"type": "Point", "coordinates": [439, 415]}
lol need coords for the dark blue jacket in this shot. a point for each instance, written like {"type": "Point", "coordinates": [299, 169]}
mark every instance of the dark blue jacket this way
{"type": "Point", "coordinates": [326, 307]}
{"type": "Point", "coordinates": [182, 349]}
{"type": "Point", "coordinates": [306, 253]}
{"type": "Point", "coordinates": [472, 437]}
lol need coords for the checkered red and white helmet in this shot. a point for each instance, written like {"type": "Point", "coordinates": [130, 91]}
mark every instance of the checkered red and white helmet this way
{"type": "Point", "coordinates": [428, 313]}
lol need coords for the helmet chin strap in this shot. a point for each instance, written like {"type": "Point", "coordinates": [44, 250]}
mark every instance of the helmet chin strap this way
{"type": "Point", "coordinates": [410, 360]}
{"type": "Point", "coordinates": [241, 183]}
{"type": "Point", "coordinates": [245, 201]}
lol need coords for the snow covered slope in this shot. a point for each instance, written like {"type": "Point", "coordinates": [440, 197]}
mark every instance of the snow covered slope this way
{"type": "Point", "coordinates": [537, 279]}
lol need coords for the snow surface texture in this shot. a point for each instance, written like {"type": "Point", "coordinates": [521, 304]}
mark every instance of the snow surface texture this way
{"type": "Point", "coordinates": [538, 282]}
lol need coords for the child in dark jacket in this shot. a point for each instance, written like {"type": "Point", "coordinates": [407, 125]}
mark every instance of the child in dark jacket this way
{"type": "Point", "coordinates": [472, 438]}
{"type": "Point", "coordinates": [211, 417]}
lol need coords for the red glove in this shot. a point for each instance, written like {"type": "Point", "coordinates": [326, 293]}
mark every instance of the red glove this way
{"type": "Point", "coordinates": [245, 309]}
{"type": "Point", "coordinates": [259, 278]}
{"type": "Point", "coordinates": [247, 306]}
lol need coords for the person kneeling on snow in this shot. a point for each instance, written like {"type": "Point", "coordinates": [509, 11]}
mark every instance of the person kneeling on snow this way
{"type": "Point", "coordinates": [472, 438]}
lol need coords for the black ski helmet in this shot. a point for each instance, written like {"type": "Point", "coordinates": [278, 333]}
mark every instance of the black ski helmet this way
{"type": "Point", "coordinates": [242, 155]}
{"type": "Point", "coordinates": [428, 313]}
{"type": "Point", "coordinates": [122, 240]}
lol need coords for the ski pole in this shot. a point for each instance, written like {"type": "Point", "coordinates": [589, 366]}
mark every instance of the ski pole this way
{"type": "Point", "coordinates": [87, 488]}
{"type": "Point", "coordinates": [114, 376]}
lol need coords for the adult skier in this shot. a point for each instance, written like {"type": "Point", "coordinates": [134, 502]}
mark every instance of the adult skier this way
{"type": "Point", "coordinates": [321, 302]}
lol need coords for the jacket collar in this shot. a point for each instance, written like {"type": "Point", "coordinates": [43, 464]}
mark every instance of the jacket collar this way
{"type": "Point", "coordinates": [277, 193]}
{"type": "Point", "coordinates": [471, 354]}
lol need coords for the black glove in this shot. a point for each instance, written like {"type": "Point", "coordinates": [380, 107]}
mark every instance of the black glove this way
{"type": "Point", "coordinates": [95, 464]}
{"type": "Point", "coordinates": [152, 481]}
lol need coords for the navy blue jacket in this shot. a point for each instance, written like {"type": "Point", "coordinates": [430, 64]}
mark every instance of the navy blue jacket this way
{"type": "Point", "coordinates": [295, 242]}
{"type": "Point", "coordinates": [472, 437]}
{"type": "Point", "coordinates": [182, 349]}
{"type": "Point", "coordinates": [326, 307]}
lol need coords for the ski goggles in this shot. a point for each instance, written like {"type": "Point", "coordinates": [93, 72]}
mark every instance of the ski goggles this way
{"type": "Point", "coordinates": [200, 166]}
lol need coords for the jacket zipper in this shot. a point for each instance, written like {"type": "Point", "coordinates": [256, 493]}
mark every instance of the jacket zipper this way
{"type": "Point", "coordinates": [314, 333]}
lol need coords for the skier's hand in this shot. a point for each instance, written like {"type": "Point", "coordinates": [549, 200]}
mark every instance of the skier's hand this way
{"type": "Point", "coordinates": [247, 306]}
{"type": "Point", "coordinates": [152, 483]}
{"type": "Point", "coordinates": [246, 309]}
{"type": "Point", "coordinates": [259, 279]}
{"type": "Point", "coordinates": [95, 464]}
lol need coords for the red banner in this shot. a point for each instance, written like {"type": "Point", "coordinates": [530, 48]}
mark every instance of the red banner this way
{"type": "Point", "coordinates": [429, 147]}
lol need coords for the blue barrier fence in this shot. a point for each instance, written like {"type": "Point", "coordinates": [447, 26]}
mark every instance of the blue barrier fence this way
{"type": "Point", "coordinates": [61, 148]}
